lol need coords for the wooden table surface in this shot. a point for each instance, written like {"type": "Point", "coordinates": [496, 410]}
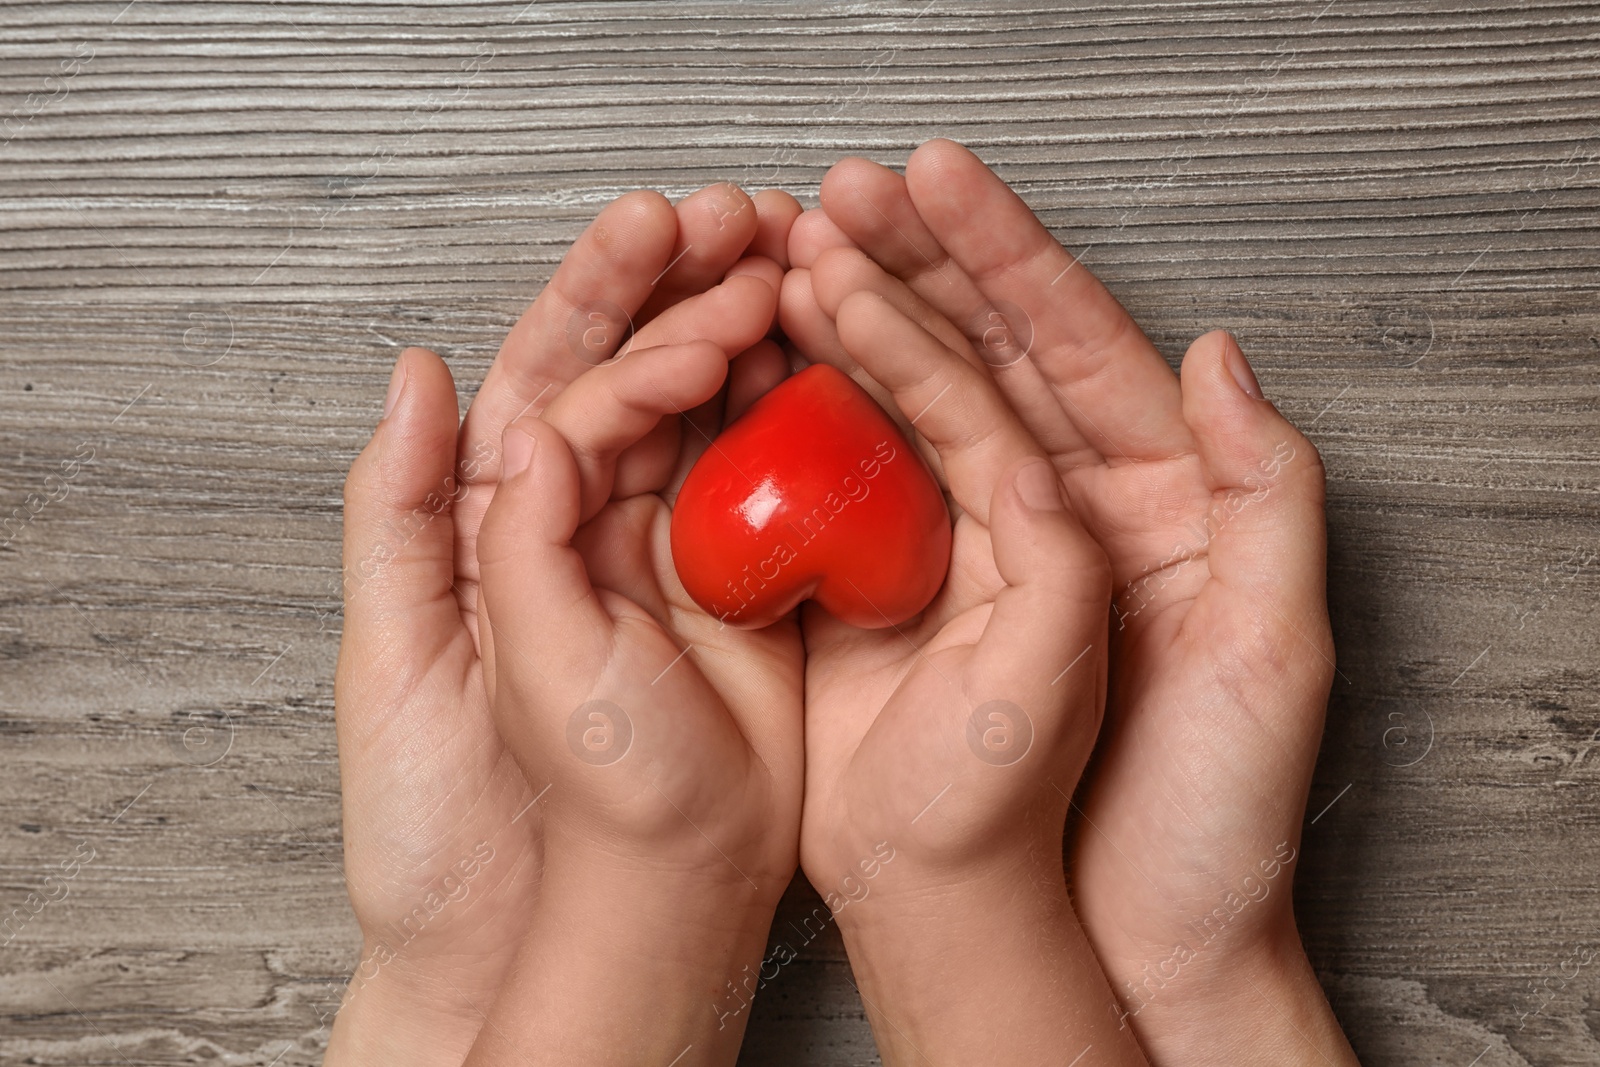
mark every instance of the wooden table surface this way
{"type": "Point", "coordinates": [219, 221]}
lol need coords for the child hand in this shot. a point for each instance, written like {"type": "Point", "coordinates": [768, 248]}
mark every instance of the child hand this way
{"type": "Point", "coordinates": [1209, 506]}
{"type": "Point", "coordinates": [442, 837]}
{"type": "Point", "coordinates": [670, 745]}
{"type": "Point", "coordinates": [940, 754]}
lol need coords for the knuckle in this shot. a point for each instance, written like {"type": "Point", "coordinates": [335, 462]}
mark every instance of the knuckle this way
{"type": "Point", "coordinates": [839, 266]}
{"type": "Point", "coordinates": [1315, 469]}
{"type": "Point", "coordinates": [1307, 469]}
{"type": "Point", "coordinates": [363, 483]}
{"type": "Point", "coordinates": [1095, 574]}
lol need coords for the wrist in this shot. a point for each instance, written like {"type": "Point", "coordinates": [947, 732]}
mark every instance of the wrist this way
{"type": "Point", "coordinates": [1254, 1001]}
{"type": "Point", "coordinates": [901, 895]}
{"type": "Point", "coordinates": [647, 908]}
{"type": "Point", "coordinates": [613, 940]}
{"type": "Point", "coordinates": [400, 1010]}
{"type": "Point", "coordinates": [992, 968]}
{"type": "Point", "coordinates": [700, 869]}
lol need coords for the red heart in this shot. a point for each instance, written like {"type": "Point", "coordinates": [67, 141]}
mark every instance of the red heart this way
{"type": "Point", "coordinates": [812, 493]}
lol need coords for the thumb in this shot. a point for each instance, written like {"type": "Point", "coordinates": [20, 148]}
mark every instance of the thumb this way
{"type": "Point", "coordinates": [545, 620]}
{"type": "Point", "coordinates": [1045, 642]}
{"type": "Point", "coordinates": [1265, 527]}
{"type": "Point", "coordinates": [399, 538]}
{"type": "Point", "coordinates": [400, 607]}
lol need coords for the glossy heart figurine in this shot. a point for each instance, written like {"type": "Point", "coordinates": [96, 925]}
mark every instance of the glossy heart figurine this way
{"type": "Point", "coordinates": [812, 494]}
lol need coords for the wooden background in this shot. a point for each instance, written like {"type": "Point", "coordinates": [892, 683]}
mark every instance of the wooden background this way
{"type": "Point", "coordinates": [218, 221]}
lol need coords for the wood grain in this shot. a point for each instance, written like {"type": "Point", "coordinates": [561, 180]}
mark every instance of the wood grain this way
{"type": "Point", "coordinates": [218, 221]}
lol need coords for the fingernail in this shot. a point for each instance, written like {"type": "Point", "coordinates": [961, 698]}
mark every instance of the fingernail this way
{"type": "Point", "coordinates": [1240, 369]}
{"type": "Point", "coordinates": [518, 448]}
{"type": "Point", "coordinates": [397, 385]}
{"type": "Point", "coordinates": [1039, 487]}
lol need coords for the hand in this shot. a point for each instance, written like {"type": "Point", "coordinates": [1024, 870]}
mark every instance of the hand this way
{"type": "Point", "coordinates": [443, 840]}
{"type": "Point", "coordinates": [940, 755]}
{"type": "Point", "coordinates": [1209, 506]}
{"type": "Point", "coordinates": [669, 744]}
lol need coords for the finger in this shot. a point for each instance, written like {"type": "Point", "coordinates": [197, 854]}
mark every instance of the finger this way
{"type": "Point", "coordinates": [767, 270]}
{"type": "Point", "coordinates": [733, 316]}
{"type": "Point", "coordinates": [647, 465]}
{"type": "Point", "coordinates": [811, 327]}
{"type": "Point", "coordinates": [715, 226]}
{"type": "Point", "coordinates": [813, 331]}
{"type": "Point", "coordinates": [1265, 525]}
{"type": "Point", "coordinates": [1046, 639]}
{"type": "Point", "coordinates": [751, 374]}
{"type": "Point", "coordinates": [540, 611]}
{"type": "Point", "coordinates": [838, 272]}
{"type": "Point", "coordinates": [617, 404]}
{"type": "Point", "coordinates": [579, 319]}
{"type": "Point", "coordinates": [872, 208]}
{"type": "Point", "coordinates": [776, 212]}
{"type": "Point", "coordinates": [754, 373]}
{"type": "Point", "coordinates": [953, 404]}
{"type": "Point", "coordinates": [807, 325]}
{"type": "Point", "coordinates": [871, 205]}
{"type": "Point", "coordinates": [398, 534]}
{"type": "Point", "coordinates": [812, 234]}
{"type": "Point", "coordinates": [1114, 384]}
{"type": "Point", "coordinates": [771, 274]}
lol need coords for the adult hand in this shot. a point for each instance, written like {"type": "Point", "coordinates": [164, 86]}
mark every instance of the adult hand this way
{"type": "Point", "coordinates": [1208, 504]}
{"type": "Point", "coordinates": [442, 835]}
{"type": "Point", "coordinates": [940, 754]}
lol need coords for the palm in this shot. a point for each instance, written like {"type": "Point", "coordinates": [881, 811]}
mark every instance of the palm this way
{"type": "Point", "coordinates": [433, 801]}
{"type": "Point", "coordinates": [1182, 806]}
{"type": "Point", "coordinates": [718, 682]}
{"type": "Point", "coordinates": [870, 751]}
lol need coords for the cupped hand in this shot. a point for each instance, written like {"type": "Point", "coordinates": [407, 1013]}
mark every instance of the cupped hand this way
{"type": "Point", "coordinates": [1208, 504]}
{"type": "Point", "coordinates": [933, 734]}
{"type": "Point", "coordinates": [941, 753]}
{"type": "Point", "coordinates": [443, 835]}
{"type": "Point", "coordinates": [666, 746]}
{"type": "Point", "coordinates": [667, 740]}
